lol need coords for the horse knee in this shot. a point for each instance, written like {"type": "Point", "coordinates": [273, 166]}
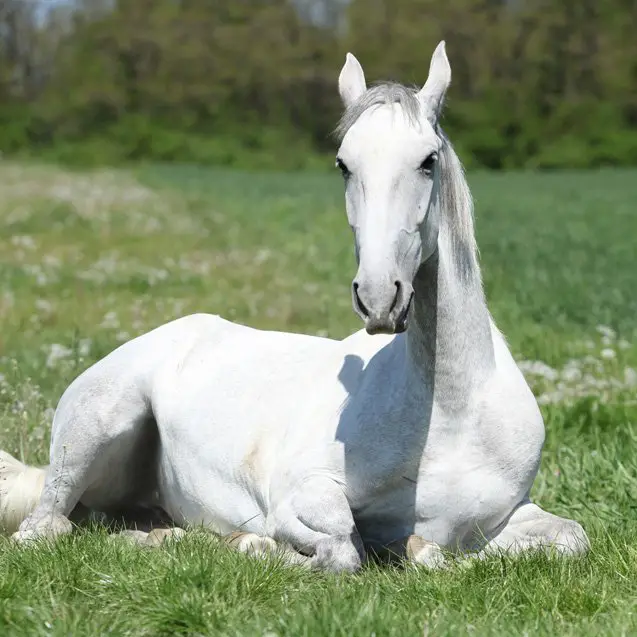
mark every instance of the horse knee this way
{"type": "Point", "coordinates": [317, 521]}
{"type": "Point", "coordinates": [339, 554]}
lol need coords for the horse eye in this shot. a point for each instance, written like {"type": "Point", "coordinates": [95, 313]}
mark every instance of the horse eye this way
{"type": "Point", "coordinates": [428, 163]}
{"type": "Point", "coordinates": [340, 164]}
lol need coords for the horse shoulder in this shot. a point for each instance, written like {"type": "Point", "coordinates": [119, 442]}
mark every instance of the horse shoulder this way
{"type": "Point", "coordinates": [508, 389]}
{"type": "Point", "coordinates": [512, 425]}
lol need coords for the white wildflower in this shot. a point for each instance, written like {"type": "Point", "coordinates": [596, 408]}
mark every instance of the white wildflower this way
{"type": "Point", "coordinates": [110, 321]}
{"type": "Point", "coordinates": [7, 300]}
{"type": "Point", "coordinates": [538, 368]}
{"type": "Point", "coordinates": [571, 372]}
{"type": "Point", "coordinates": [630, 377]}
{"type": "Point", "coordinates": [154, 275]}
{"type": "Point", "coordinates": [44, 306]}
{"type": "Point", "coordinates": [23, 241]}
{"type": "Point", "coordinates": [56, 354]}
{"type": "Point", "coordinates": [178, 306]}
{"type": "Point", "coordinates": [51, 261]}
{"type": "Point", "coordinates": [36, 271]}
{"type": "Point", "coordinates": [38, 433]}
{"type": "Point", "coordinates": [590, 376]}
{"type": "Point", "coordinates": [84, 347]}
{"type": "Point", "coordinates": [606, 331]}
{"type": "Point", "coordinates": [262, 256]}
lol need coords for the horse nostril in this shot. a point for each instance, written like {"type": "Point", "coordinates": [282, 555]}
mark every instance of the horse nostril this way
{"type": "Point", "coordinates": [359, 304]}
{"type": "Point", "coordinates": [399, 287]}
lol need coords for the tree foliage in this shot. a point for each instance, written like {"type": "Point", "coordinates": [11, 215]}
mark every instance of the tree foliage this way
{"type": "Point", "coordinates": [537, 83]}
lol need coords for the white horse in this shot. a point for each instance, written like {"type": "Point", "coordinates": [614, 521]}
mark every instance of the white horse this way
{"type": "Point", "coordinates": [420, 425]}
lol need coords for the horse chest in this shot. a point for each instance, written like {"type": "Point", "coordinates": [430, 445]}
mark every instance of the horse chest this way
{"type": "Point", "coordinates": [461, 487]}
{"type": "Point", "coordinates": [464, 488]}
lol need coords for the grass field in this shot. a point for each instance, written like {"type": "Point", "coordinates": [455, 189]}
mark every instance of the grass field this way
{"type": "Point", "coordinates": [89, 260]}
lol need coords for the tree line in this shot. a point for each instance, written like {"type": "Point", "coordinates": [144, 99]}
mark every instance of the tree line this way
{"type": "Point", "coordinates": [536, 83]}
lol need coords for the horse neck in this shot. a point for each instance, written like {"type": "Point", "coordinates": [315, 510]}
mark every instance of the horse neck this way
{"type": "Point", "coordinates": [449, 336]}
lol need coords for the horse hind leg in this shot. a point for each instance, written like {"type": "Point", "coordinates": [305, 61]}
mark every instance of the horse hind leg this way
{"type": "Point", "coordinates": [144, 526]}
{"type": "Point", "coordinates": [151, 539]}
{"type": "Point", "coordinates": [103, 455]}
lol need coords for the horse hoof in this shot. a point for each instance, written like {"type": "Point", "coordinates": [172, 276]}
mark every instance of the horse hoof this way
{"type": "Point", "coordinates": [133, 536]}
{"type": "Point", "coordinates": [251, 543]}
{"type": "Point", "coordinates": [26, 537]}
{"type": "Point", "coordinates": [425, 553]}
{"type": "Point", "coordinates": [157, 537]}
{"type": "Point", "coordinates": [43, 530]}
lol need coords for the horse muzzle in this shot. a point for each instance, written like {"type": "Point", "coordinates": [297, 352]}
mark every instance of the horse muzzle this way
{"type": "Point", "coordinates": [384, 309]}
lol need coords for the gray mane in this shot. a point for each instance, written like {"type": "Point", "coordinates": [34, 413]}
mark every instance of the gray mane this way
{"type": "Point", "coordinates": [455, 197]}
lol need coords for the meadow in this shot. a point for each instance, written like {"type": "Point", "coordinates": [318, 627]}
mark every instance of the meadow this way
{"type": "Point", "coordinates": [89, 259]}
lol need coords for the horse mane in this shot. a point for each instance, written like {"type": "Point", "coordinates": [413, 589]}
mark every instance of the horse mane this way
{"type": "Point", "coordinates": [456, 201]}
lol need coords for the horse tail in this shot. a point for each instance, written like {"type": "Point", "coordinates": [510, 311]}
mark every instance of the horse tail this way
{"type": "Point", "coordinates": [20, 490]}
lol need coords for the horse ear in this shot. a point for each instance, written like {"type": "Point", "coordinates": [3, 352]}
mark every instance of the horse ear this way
{"type": "Point", "coordinates": [351, 81]}
{"type": "Point", "coordinates": [432, 94]}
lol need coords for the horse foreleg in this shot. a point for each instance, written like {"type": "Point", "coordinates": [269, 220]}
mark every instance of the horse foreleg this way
{"type": "Point", "coordinates": [529, 528]}
{"type": "Point", "coordinates": [315, 519]}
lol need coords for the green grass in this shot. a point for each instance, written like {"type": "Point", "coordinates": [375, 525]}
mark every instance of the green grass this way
{"type": "Point", "coordinates": [88, 260]}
